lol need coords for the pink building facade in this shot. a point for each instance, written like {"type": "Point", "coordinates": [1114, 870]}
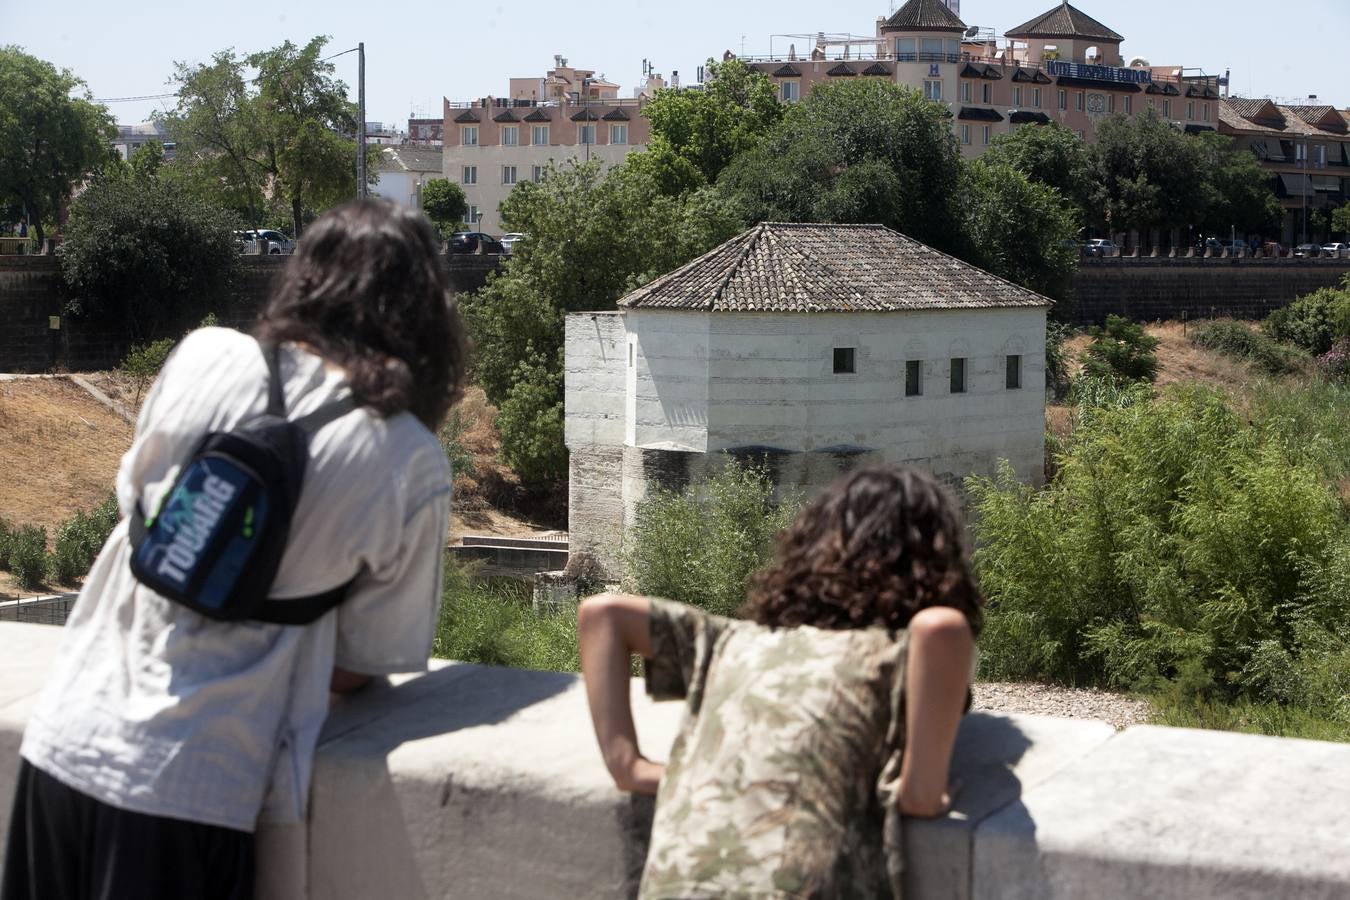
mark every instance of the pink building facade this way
{"type": "Point", "coordinates": [493, 143]}
{"type": "Point", "coordinates": [1063, 66]}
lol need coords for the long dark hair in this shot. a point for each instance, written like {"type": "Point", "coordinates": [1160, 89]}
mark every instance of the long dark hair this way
{"type": "Point", "coordinates": [366, 291]}
{"type": "Point", "coordinates": [874, 548]}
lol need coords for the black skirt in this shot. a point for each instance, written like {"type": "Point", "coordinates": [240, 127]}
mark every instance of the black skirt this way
{"type": "Point", "coordinates": [64, 845]}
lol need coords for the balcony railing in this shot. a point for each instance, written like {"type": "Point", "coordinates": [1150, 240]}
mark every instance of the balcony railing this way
{"type": "Point", "coordinates": [509, 103]}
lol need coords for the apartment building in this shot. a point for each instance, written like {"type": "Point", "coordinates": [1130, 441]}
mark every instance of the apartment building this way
{"type": "Point", "coordinates": [1306, 150]}
{"type": "Point", "coordinates": [493, 143]}
{"type": "Point", "coordinates": [1062, 66]}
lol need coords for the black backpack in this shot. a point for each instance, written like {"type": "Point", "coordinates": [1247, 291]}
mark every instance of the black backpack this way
{"type": "Point", "coordinates": [216, 540]}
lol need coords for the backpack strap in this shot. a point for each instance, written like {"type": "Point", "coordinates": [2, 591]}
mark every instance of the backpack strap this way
{"type": "Point", "coordinates": [301, 610]}
{"type": "Point", "coordinates": [276, 397]}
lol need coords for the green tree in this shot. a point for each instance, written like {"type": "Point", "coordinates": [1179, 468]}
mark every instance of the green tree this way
{"type": "Point", "coordinates": [218, 140]}
{"type": "Point", "coordinates": [287, 133]}
{"type": "Point", "coordinates": [49, 139]}
{"type": "Point", "coordinates": [307, 127]}
{"type": "Point", "coordinates": [593, 237]}
{"type": "Point", "coordinates": [736, 109]}
{"type": "Point", "coordinates": [1340, 220]}
{"type": "Point", "coordinates": [143, 249]}
{"type": "Point", "coordinates": [856, 151]}
{"type": "Point", "coordinates": [1237, 192]}
{"type": "Point", "coordinates": [1019, 230]}
{"type": "Point", "coordinates": [444, 203]}
{"type": "Point", "coordinates": [1051, 155]}
{"type": "Point", "coordinates": [1147, 174]}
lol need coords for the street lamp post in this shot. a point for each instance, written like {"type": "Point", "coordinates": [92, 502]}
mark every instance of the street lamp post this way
{"type": "Point", "coordinates": [361, 191]}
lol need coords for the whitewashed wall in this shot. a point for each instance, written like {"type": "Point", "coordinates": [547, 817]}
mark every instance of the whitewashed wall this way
{"type": "Point", "coordinates": [655, 397]}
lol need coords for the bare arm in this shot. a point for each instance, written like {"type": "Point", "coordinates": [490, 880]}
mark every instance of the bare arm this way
{"type": "Point", "coordinates": [941, 648]}
{"type": "Point", "coordinates": [610, 629]}
{"type": "Point", "coordinates": [345, 682]}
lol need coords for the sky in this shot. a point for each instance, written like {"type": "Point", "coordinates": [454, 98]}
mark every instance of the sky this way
{"type": "Point", "coordinates": [417, 53]}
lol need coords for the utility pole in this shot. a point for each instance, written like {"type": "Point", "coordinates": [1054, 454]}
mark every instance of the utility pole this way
{"type": "Point", "coordinates": [361, 121]}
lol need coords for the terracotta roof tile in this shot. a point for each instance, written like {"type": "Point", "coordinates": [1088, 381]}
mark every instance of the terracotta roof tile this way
{"type": "Point", "coordinates": [924, 15]}
{"type": "Point", "coordinates": [1064, 21]}
{"type": "Point", "coordinates": [777, 267]}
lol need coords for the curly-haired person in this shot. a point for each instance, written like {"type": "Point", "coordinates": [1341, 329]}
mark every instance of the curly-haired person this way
{"type": "Point", "coordinates": [816, 721]}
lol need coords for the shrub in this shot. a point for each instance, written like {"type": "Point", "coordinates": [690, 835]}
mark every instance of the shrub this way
{"type": "Point", "coordinates": [1335, 363]}
{"type": "Point", "coordinates": [452, 440]}
{"type": "Point", "coordinates": [1180, 547]}
{"type": "Point", "coordinates": [1261, 350]}
{"type": "Point", "coordinates": [494, 624]}
{"type": "Point", "coordinates": [6, 534]}
{"type": "Point", "coordinates": [79, 540]}
{"type": "Point", "coordinates": [1056, 363]}
{"type": "Point", "coordinates": [1121, 350]}
{"type": "Point", "coordinates": [1313, 321]}
{"type": "Point", "coordinates": [28, 555]}
{"type": "Point", "coordinates": [702, 545]}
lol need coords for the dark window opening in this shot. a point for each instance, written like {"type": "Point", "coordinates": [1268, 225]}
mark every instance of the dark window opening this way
{"type": "Point", "coordinates": [843, 361]}
{"type": "Point", "coordinates": [959, 375]}
{"type": "Point", "coordinates": [913, 378]}
{"type": "Point", "coordinates": [1014, 374]}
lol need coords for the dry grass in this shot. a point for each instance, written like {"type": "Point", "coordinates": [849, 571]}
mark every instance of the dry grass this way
{"type": "Point", "coordinates": [61, 449]}
{"type": "Point", "coordinates": [490, 499]}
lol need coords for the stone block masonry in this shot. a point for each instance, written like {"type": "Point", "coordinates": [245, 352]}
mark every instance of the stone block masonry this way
{"type": "Point", "coordinates": [32, 293]}
{"type": "Point", "coordinates": [1148, 289]}
{"type": "Point", "coordinates": [473, 781]}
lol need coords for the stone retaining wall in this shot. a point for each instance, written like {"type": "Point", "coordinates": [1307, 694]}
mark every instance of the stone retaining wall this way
{"type": "Point", "coordinates": [32, 293]}
{"type": "Point", "coordinates": [1150, 288]}
{"type": "Point", "coordinates": [472, 781]}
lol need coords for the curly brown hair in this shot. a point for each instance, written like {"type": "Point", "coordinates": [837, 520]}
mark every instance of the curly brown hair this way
{"type": "Point", "coordinates": [877, 546]}
{"type": "Point", "coordinates": [367, 292]}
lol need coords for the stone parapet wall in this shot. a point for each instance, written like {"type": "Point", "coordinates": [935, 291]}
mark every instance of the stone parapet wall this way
{"type": "Point", "coordinates": [1153, 288]}
{"type": "Point", "coordinates": [472, 781]}
{"type": "Point", "coordinates": [32, 292]}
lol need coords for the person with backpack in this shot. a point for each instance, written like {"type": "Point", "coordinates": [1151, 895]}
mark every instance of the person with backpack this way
{"type": "Point", "coordinates": [285, 504]}
{"type": "Point", "coordinates": [816, 721]}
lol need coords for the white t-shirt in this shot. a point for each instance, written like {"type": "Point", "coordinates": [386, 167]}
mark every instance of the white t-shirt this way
{"type": "Point", "coordinates": [156, 709]}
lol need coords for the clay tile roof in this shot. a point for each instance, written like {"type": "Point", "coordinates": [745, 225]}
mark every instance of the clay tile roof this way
{"type": "Point", "coordinates": [584, 115]}
{"type": "Point", "coordinates": [877, 68]}
{"type": "Point", "coordinates": [971, 71]}
{"type": "Point", "coordinates": [993, 72]}
{"type": "Point", "coordinates": [786, 71]}
{"type": "Point", "coordinates": [777, 267]}
{"type": "Point", "coordinates": [410, 159]}
{"type": "Point", "coordinates": [1253, 109]}
{"type": "Point", "coordinates": [467, 116]}
{"type": "Point", "coordinates": [506, 116]}
{"type": "Point", "coordinates": [617, 114]}
{"type": "Point", "coordinates": [841, 70]}
{"type": "Point", "coordinates": [1325, 118]}
{"type": "Point", "coordinates": [539, 115]}
{"type": "Point", "coordinates": [1064, 21]}
{"type": "Point", "coordinates": [924, 15]}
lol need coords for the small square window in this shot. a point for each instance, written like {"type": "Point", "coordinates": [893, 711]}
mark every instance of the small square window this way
{"type": "Point", "coordinates": [1014, 372]}
{"type": "Point", "coordinates": [913, 378]}
{"type": "Point", "coordinates": [843, 361]}
{"type": "Point", "coordinates": [959, 375]}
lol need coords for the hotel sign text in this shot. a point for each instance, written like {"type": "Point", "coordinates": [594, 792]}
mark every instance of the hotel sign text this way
{"type": "Point", "coordinates": [1098, 73]}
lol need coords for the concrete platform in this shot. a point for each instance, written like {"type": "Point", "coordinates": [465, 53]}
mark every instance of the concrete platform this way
{"type": "Point", "coordinates": [472, 781]}
{"type": "Point", "coordinates": [1178, 813]}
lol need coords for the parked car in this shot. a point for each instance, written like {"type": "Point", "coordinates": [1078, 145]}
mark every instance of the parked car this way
{"type": "Point", "coordinates": [1336, 249]}
{"type": "Point", "coordinates": [277, 243]}
{"type": "Point", "coordinates": [1303, 250]}
{"type": "Point", "coordinates": [1100, 247]}
{"type": "Point", "coordinates": [509, 240]}
{"type": "Point", "coordinates": [474, 242]}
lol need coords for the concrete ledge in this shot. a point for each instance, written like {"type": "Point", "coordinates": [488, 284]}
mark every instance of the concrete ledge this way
{"type": "Point", "coordinates": [472, 781]}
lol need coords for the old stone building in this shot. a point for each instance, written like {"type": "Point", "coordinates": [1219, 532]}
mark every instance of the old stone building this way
{"type": "Point", "coordinates": [812, 348]}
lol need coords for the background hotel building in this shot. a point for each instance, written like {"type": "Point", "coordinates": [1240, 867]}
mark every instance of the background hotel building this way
{"type": "Point", "coordinates": [493, 143]}
{"type": "Point", "coordinates": [1062, 66]}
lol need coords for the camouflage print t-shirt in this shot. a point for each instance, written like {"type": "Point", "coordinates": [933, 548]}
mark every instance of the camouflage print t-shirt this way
{"type": "Point", "coordinates": [786, 761]}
